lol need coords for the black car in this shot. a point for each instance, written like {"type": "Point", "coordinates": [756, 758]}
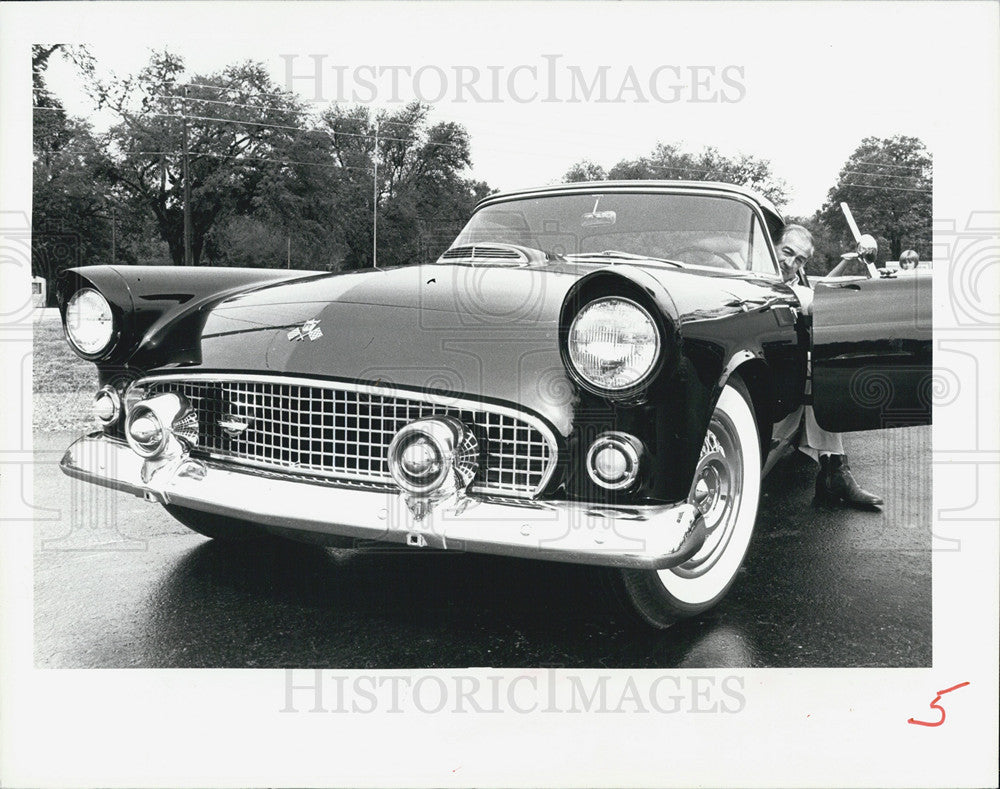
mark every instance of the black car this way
{"type": "Point", "coordinates": [590, 373]}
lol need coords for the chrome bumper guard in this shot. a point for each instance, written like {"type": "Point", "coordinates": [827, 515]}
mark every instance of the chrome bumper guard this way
{"type": "Point", "coordinates": [649, 537]}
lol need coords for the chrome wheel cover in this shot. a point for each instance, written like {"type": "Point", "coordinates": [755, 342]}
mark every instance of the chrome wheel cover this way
{"type": "Point", "coordinates": [717, 492]}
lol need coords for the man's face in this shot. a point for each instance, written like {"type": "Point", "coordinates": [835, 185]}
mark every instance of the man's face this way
{"type": "Point", "coordinates": [794, 251]}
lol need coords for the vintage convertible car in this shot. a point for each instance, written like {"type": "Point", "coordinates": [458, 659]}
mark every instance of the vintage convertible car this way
{"type": "Point", "coordinates": [590, 373]}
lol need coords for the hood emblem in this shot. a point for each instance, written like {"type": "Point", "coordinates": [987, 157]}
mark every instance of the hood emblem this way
{"type": "Point", "coordinates": [309, 330]}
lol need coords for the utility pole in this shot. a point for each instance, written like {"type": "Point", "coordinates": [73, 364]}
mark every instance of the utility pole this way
{"type": "Point", "coordinates": [114, 237]}
{"type": "Point", "coordinates": [375, 202]}
{"type": "Point", "coordinates": [188, 258]}
{"type": "Point", "coordinates": [288, 253]}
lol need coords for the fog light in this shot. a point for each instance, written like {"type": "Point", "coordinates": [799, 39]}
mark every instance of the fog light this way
{"type": "Point", "coordinates": [611, 464]}
{"type": "Point", "coordinates": [107, 406]}
{"type": "Point", "coordinates": [433, 455]}
{"type": "Point", "coordinates": [420, 459]}
{"type": "Point", "coordinates": [161, 424]}
{"type": "Point", "coordinates": [145, 433]}
{"type": "Point", "coordinates": [613, 460]}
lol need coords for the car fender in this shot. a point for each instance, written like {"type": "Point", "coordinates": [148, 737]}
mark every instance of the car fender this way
{"type": "Point", "coordinates": [152, 303]}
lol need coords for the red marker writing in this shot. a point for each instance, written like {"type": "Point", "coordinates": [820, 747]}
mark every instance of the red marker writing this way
{"type": "Point", "coordinates": [936, 706]}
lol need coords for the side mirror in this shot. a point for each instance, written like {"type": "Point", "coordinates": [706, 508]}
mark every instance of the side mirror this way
{"type": "Point", "coordinates": [867, 249]}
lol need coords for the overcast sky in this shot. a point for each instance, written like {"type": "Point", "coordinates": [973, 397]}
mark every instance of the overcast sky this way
{"type": "Point", "coordinates": [800, 85]}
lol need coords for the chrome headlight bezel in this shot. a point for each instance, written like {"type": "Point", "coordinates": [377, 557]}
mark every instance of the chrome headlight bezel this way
{"type": "Point", "coordinates": [108, 332]}
{"type": "Point", "coordinates": [585, 376]}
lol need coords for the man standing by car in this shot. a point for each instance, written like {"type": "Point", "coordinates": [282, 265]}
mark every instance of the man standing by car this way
{"type": "Point", "coordinates": [835, 483]}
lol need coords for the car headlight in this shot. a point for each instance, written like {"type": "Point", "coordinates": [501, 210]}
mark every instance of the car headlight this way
{"type": "Point", "coordinates": [613, 344]}
{"type": "Point", "coordinates": [90, 324]}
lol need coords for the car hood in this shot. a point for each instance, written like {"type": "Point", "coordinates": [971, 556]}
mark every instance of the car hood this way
{"type": "Point", "coordinates": [488, 332]}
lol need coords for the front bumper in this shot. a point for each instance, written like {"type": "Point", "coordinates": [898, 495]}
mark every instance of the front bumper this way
{"type": "Point", "coordinates": [648, 537]}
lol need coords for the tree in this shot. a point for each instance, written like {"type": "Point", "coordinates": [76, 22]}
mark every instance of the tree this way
{"type": "Point", "coordinates": [887, 183]}
{"type": "Point", "coordinates": [72, 208]}
{"type": "Point", "coordinates": [585, 170]}
{"type": "Point", "coordinates": [670, 162]}
{"type": "Point", "coordinates": [235, 121]}
{"type": "Point", "coordinates": [420, 189]}
{"type": "Point", "coordinates": [269, 183]}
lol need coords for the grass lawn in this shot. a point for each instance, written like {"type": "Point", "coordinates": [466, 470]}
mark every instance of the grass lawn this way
{"type": "Point", "coordinates": [63, 386]}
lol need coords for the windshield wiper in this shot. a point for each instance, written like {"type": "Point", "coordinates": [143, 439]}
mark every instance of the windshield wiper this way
{"type": "Point", "coordinates": [615, 254]}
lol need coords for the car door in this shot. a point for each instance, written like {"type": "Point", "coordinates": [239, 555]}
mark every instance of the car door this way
{"type": "Point", "coordinates": [871, 352]}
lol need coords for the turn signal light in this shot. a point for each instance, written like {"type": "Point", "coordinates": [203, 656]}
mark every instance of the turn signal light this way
{"type": "Point", "coordinates": [614, 460]}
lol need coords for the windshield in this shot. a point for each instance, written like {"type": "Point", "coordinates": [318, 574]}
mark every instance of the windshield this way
{"type": "Point", "coordinates": [698, 230]}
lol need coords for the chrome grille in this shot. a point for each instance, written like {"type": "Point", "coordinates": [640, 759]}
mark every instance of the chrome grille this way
{"type": "Point", "coordinates": [343, 431]}
{"type": "Point", "coordinates": [483, 252]}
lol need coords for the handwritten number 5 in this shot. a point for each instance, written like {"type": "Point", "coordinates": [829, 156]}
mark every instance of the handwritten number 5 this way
{"type": "Point", "coordinates": [935, 706]}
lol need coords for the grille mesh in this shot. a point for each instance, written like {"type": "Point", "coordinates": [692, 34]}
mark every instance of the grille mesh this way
{"type": "Point", "coordinates": [482, 253]}
{"type": "Point", "coordinates": [345, 434]}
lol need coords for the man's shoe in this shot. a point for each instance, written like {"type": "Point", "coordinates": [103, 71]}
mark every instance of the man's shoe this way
{"type": "Point", "coordinates": [835, 484]}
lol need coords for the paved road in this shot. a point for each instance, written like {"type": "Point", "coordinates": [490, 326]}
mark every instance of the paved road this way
{"type": "Point", "coordinates": [118, 583]}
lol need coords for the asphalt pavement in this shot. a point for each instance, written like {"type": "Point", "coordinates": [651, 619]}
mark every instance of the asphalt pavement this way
{"type": "Point", "coordinates": [119, 583]}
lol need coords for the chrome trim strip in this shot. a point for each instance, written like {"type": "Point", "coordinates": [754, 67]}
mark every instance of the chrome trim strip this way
{"type": "Point", "coordinates": [648, 537]}
{"type": "Point", "coordinates": [380, 390]}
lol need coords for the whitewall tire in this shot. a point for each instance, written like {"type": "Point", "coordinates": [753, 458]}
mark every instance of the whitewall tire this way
{"type": "Point", "coordinates": [726, 489]}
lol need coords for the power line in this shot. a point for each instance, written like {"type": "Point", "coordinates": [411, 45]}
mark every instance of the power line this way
{"type": "Point", "coordinates": [289, 110]}
{"type": "Point", "coordinates": [894, 166]}
{"type": "Point", "coordinates": [654, 167]}
{"type": "Point", "coordinates": [894, 188]}
{"type": "Point", "coordinates": [240, 157]}
{"type": "Point", "coordinates": [881, 175]}
{"type": "Point", "coordinates": [292, 128]}
{"type": "Point", "coordinates": [312, 113]}
{"type": "Point", "coordinates": [577, 131]}
{"type": "Point", "coordinates": [276, 126]}
{"type": "Point", "coordinates": [284, 94]}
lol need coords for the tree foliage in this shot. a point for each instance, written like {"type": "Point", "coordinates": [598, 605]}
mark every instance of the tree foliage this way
{"type": "Point", "coordinates": [271, 183]}
{"type": "Point", "coordinates": [420, 191]}
{"type": "Point", "coordinates": [670, 162]}
{"type": "Point", "coordinates": [235, 123]}
{"type": "Point", "coordinates": [72, 203]}
{"type": "Point", "coordinates": [887, 184]}
{"type": "Point", "coordinates": [585, 170]}
{"type": "Point", "coordinates": [274, 183]}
